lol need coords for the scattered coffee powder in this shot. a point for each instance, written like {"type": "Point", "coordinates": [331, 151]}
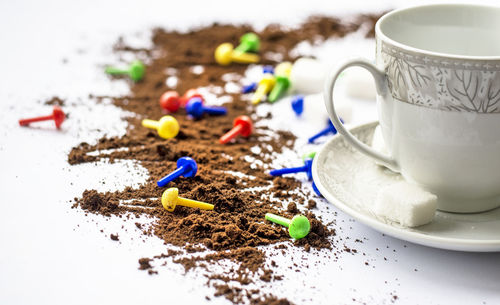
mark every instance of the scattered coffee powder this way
{"type": "Point", "coordinates": [236, 226]}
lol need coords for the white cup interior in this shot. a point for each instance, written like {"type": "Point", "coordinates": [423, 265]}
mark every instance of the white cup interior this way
{"type": "Point", "coordinates": [450, 29]}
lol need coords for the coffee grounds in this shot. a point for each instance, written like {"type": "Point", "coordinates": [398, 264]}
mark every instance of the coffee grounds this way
{"type": "Point", "coordinates": [236, 226]}
{"type": "Point", "coordinates": [55, 101]}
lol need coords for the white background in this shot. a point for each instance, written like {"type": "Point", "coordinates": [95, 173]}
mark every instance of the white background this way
{"type": "Point", "coordinates": [52, 254]}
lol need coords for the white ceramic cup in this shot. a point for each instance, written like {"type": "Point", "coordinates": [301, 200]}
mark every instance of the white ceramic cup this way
{"type": "Point", "coordinates": [437, 75]}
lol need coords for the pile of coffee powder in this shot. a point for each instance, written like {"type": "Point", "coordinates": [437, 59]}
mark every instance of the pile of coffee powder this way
{"type": "Point", "coordinates": [236, 227]}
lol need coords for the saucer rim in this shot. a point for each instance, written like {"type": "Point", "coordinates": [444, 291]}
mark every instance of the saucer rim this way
{"type": "Point", "coordinates": [424, 239]}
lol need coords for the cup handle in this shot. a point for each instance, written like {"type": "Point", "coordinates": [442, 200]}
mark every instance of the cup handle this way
{"type": "Point", "coordinates": [382, 89]}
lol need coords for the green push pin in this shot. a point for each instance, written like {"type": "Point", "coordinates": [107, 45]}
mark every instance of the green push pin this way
{"type": "Point", "coordinates": [135, 71]}
{"type": "Point", "coordinates": [249, 42]}
{"type": "Point", "coordinates": [310, 155]}
{"type": "Point", "coordinates": [282, 73]}
{"type": "Point", "coordinates": [298, 227]}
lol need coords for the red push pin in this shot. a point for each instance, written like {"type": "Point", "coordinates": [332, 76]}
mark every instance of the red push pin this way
{"type": "Point", "coordinates": [57, 115]}
{"type": "Point", "coordinates": [171, 101]}
{"type": "Point", "coordinates": [242, 125]}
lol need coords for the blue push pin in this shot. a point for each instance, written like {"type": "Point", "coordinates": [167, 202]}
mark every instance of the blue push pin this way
{"type": "Point", "coordinates": [315, 189]}
{"type": "Point", "coordinates": [186, 167]}
{"type": "Point", "coordinates": [196, 109]}
{"type": "Point", "coordinates": [307, 168]}
{"type": "Point", "coordinates": [249, 88]}
{"type": "Point", "coordinates": [268, 69]}
{"type": "Point", "coordinates": [298, 104]}
{"type": "Point", "coordinates": [324, 132]}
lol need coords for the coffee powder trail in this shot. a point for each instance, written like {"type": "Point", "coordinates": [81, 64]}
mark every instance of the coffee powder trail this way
{"type": "Point", "coordinates": [236, 227]}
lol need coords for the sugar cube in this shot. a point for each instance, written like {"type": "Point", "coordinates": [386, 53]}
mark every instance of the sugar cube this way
{"type": "Point", "coordinates": [308, 76]}
{"type": "Point", "coordinates": [406, 203]}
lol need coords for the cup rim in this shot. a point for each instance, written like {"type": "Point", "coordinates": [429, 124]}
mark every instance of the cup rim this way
{"type": "Point", "coordinates": [382, 36]}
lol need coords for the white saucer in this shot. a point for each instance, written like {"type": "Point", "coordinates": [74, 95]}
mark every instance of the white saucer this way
{"type": "Point", "coordinates": [350, 181]}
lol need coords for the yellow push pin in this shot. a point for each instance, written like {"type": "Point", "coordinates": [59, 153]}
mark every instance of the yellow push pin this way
{"type": "Point", "coordinates": [225, 54]}
{"type": "Point", "coordinates": [266, 84]}
{"type": "Point", "coordinates": [170, 199]}
{"type": "Point", "coordinates": [167, 126]}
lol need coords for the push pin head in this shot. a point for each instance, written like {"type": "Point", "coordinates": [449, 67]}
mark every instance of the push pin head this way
{"type": "Point", "coordinates": [307, 168]}
{"type": "Point", "coordinates": [268, 69]}
{"type": "Point", "coordinates": [298, 104]}
{"type": "Point", "coordinates": [298, 227]}
{"type": "Point", "coordinates": [57, 115]}
{"type": "Point", "coordinates": [167, 126]}
{"type": "Point", "coordinates": [170, 199]}
{"type": "Point", "coordinates": [225, 54]}
{"type": "Point", "coordinates": [309, 155]}
{"type": "Point", "coordinates": [283, 71]}
{"type": "Point", "coordinates": [242, 125]}
{"type": "Point", "coordinates": [249, 88]}
{"type": "Point", "coordinates": [249, 42]}
{"type": "Point", "coordinates": [186, 167]}
{"type": "Point", "coordinates": [196, 109]}
{"type": "Point", "coordinates": [135, 71]}
{"type": "Point", "coordinates": [170, 101]}
{"type": "Point", "coordinates": [191, 93]}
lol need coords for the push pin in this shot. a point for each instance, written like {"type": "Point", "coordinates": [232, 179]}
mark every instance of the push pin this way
{"type": "Point", "coordinates": [307, 168]}
{"type": "Point", "coordinates": [249, 88]}
{"type": "Point", "coordinates": [329, 129]}
{"type": "Point", "coordinates": [135, 71]}
{"type": "Point", "coordinates": [57, 115]}
{"type": "Point", "coordinates": [186, 167]}
{"type": "Point", "coordinates": [315, 189]}
{"type": "Point", "coordinates": [191, 93]}
{"type": "Point", "coordinates": [298, 227]}
{"type": "Point", "coordinates": [252, 86]}
{"type": "Point", "coordinates": [268, 69]}
{"type": "Point", "coordinates": [167, 126]}
{"type": "Point", "coordinates": [171, 101]}
{"type": "Point", "coordinates": [196, 109]}
{"type": "Point", "coordinates": [170, 199]}
{"type": "Point", "coordinates": [224, 55]}
{"type": "Point", "coordinates": [249, 42]}
{"type": "Point", "coordinates": [283, 71]}
{"type": "Point", "coordinates": [242, 125]}
{"type": "Point", "coordinates": [298, 104]}
{"type": "Point", "coordinates": [266, 84]}
{"type": "Point", "coordinates": [309, 155]}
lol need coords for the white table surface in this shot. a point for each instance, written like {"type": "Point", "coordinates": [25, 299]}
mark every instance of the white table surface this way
{"type": "Point", "coordinates": [52, 254]}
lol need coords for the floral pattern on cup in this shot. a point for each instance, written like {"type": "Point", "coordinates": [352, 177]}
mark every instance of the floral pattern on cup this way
{"type": "Point", "coordinates": [442, 83]}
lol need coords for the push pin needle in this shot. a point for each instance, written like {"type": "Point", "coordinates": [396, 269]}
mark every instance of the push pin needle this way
{"type": "Point", "coordinates": [196, 109]}
{"type": "Point", "coordinates": [298, 227]}
{"type": "Point", "coordinates": [253, 85]}
{"type": "Point", "coordinates": [135, 71]}
{"type": "Point", "coordinates": [57, 115]}
{"type": "Point", "coordinates": [186, 167]}
{"type": "Point", "coordinates": [242, 125]}
{"type": "Point", "coordinates": [307, 168]}
{"type": "Point", "coordinates": [167, 126]}
{"type": "Point", "coordinates": [266, 84]}
{"type": "Point", "coordinates": [329, 129]}
{"type": "Point", "coordinates": [283, 71]}
{"type": "Point", "coordinates": [170, 199]}
{"type": "Point", "coordinates": [249, 42]}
